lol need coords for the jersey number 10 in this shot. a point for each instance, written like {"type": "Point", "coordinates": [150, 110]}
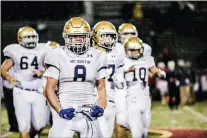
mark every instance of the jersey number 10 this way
{"type": "Point", "coordinates": [25, 65]}
{"type": "Point", "coordinates": [142, 74]}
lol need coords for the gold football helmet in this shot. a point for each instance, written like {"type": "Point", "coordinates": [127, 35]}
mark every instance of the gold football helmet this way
{"type": "Point", "coordinates": [27, 37]}
{"type": "Point", "coordinates": [127, 30]}
{"type": "Point", "coordinates": [77, 35]}
{"type": "Point", "coordinates": [133, 47]}
{"type": "Point", "coordinates": [53, 44]}
{"type": "Point", "coordinates": [104, 35]}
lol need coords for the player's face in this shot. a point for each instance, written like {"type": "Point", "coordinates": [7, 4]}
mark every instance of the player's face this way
{"type": "Point", "coordinates": [30, 41]}
{"type": "Point", "coordinates": [134, 51]}
{"type": "Point", "coordinates": [78, 43]}
{"type": "Point", "coordinates": [108, 39]}
{"type": "Point", "coordinates": [77, 40]}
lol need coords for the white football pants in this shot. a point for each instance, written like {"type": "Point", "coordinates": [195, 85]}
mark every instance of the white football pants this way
{"type": "Point", "coordinates": [30, 106]}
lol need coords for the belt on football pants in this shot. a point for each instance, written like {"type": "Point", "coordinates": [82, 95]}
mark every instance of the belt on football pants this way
{"type": "Point", "coordinates": [27, 89]}
{"type": "Point", "coordinates": [87, 105]}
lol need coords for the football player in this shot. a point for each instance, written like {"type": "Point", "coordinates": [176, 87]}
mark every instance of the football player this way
{"type": "Point", "coordinates": [26, 58]}
{"type": "Point", "coordinates": [77, 69]}
{"type": "Point", "coordinates": [138, 100]}
{"type": "Point", "coordinates": [54, 45]}
{"type": "Point", "coordinates": [126, 30]}
{"type": "Point", "coordinates": [105, 37]}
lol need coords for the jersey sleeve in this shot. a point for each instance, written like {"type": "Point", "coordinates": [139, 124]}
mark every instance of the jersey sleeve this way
{"type": "Point", "coordinates": [102, 66]}
{"type": "Point", "coordinates": [52, 66]}
{"type": "Point", "coordinates": [151, 62]}
{"type": "Point", "coordinates": [126, 65]}
{"type": "Point", "coordinates": [9, 52]}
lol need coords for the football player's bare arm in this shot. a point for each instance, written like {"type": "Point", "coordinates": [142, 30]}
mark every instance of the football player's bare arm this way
{"type": "Point", "coordinates": [102, 102]}
{"type": "Point", "coordinates": [50, 94]}
{"type": "Point", "coordinates": [130, 69]}
{"type": "Point", "coordinates": [6, 66]}
{"type": "Point", "coordinates": [150, 74]}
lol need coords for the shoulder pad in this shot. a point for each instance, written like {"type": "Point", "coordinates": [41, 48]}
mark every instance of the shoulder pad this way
{"type": "Point", "coordinates": [11, 49]}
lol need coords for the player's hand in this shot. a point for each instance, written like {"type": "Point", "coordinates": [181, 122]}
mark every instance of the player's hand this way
{"type": "Point", "coordinates": [162, 74]}
{"type": "Point", "coordinates": [132, 68]}
{"type": "Point", "coordinates": [37, 73]}
{"type": "Point", "coordinates": [67, 113]}
{"type": "Point", "coordinates": [96, 111]}
{"type": "Point", "coordinates": [12, 81]}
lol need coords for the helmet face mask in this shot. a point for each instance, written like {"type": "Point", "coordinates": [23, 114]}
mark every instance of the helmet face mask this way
{"type": "Point", "coordinates": [104, 36]}
{"type": "Point", "coordinates": [77, 35]}
{"type": "Point", "coordinates": [77, 43]}
{"type": "Point", "coordinates": [28, 37]}
{"type": "Point", "coordinates": [108, 41]}
{"type": "Point", "coordinates": [134, 53]}
{"type": "Point", "coordinates": [134, 48]}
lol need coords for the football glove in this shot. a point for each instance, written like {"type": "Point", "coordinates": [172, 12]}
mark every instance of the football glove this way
{"type": "Point", "coordinates": [96, 111]}
{"type": "Point", "coordinates": [67, 113]}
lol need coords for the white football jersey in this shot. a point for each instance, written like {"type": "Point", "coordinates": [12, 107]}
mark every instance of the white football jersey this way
{"type": "Point", "coordinates": [76, 74]}
{"type": "Point", "coordinates": [120, 48]}
{"type": "Point", "coordinates": [115, 62]}
{"type": "Point", "coordinates": [137, 81]}
{"type": "Point", "coordinates": [147, 49]}
{"type": "Point", "coordinates": [25, 62]}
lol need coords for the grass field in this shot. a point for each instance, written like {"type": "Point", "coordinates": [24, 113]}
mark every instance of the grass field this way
{"type": "Point", "coordinates": [162, 118]}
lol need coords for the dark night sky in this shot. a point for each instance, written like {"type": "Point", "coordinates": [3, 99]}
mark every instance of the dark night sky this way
{"type": "Point", "coordinates": [50, 10]}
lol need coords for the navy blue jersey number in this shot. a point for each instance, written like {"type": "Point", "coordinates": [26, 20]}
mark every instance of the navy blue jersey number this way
{"type": "Point", "coordinates": [134, 74]}
{"type": "Point", "coordinates": [24, 63]}
{"type": "Point", "coordinates": [79, 72]}
{"type": "Point", "coordinates": [112, 66]}
{"type": "Point", "coordinates": [142, 74]}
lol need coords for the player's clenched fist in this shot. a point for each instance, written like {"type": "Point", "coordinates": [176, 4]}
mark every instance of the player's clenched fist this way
{"type": "Point", "coordinates": [96, 111]}
{"type": "Point", "coordinates": [67, 113]}
{"type": "Point", "coordinates": [132, 68]}
{"type": "Point", "coordinates": [12, 80]}
{"type": "Point", "coordinates": [37, 73]}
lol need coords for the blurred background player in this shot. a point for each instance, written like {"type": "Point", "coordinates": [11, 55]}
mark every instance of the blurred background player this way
{"type": "Point", "coordinates": [138, 99]}
{"type": "Point", "coordinates": [161, 83]}
{"type": "Point", "coordinates": [105, 37]}
{"type": "Point", "coordinates": [54, 45]}
{"type": "Point", "coordinates": [173, 86]}
{"type": "Point", "coordinates": [127, 30]}
{"type": "Point", "coordinates": [26, 58]}
{"type": "Point", "coordinates": [77, 69]}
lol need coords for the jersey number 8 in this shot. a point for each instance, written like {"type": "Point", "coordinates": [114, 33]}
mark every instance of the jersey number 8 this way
{"type": "Point", "coordinates": [79, 73]}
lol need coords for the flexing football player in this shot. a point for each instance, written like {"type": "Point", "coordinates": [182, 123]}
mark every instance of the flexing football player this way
{"type": "Point", "coordinates": [105, 37]}
{"type": "Point", "coordinates": [77, 69]}
{"type": "Point", "coordinates": [26, 58]}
